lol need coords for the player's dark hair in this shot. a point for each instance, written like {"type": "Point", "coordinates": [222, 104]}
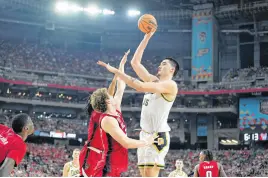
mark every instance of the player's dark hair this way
{"type": "Point", "coordinates": [19, 121]}
{"type": "Point", "coordinates": [89, 107]}
{"type": "Point", "coordinates": [175, 64]}
{"type": "Point", "coordinates": [208, 155]}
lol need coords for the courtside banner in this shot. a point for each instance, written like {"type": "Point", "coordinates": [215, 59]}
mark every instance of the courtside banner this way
{"type": "Point", "coordinates": [202, 47]}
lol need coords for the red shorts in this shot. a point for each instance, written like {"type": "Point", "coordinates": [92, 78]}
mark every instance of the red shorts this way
{"type": "Point", "coordinates": [113, 173]}
{"type": "Point", "coordinates": [91, 163]}
{"type": "Point", "coordinates": [100, 173]}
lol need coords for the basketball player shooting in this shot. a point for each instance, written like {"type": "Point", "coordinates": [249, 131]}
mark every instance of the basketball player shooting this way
{"type": "Point", "coordinates": [12, 145]}
{"type": "Point", "coordinates": [160, 93]}
{"type": "Point", "coordinates": [71, 169]}
{"type": "Point", "coordinates": [106, 153]}
{"type": "Point", "coordinates": [208, 167]}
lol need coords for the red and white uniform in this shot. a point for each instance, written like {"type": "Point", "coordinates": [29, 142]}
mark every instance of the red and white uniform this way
{"type": "Point", "coordinates": [113, 159]}
{"type": "Point", "coordinates": [208, 169]}
{"type": "Point", "coordinates": [11, 145]}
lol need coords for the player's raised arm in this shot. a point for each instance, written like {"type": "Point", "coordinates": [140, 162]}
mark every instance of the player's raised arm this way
{"type": "Point", "coordinates": [7, 167]}
{"type": "Point", "coordinates": [111, 88]}
{"type": "Point", "coordinates": [110, 125]}
{"type": "Point", "coordinates": [140, 70]}
{"type": "Point", "coordinates": [164, 87]}
{"type": "Point", "coordinates": [121, 85]}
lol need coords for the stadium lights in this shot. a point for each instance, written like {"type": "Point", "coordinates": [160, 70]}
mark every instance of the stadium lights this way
{"type": "Point", "coordinates": [133, 13]}
{"type": "Point", "coordinates": [108, 12]}
{"type": "Point", "coordinates": [66, 7]}
{"type": "Point", "coordinates": [75, 8]}
{"type": "Point", "coordinates": [62, 6]}
{"type": "Point", "coordinates": [93, 10]}
{"type": "Point", "coordinates": [229, 142]}
{"type": "Point", "coordinates": [234, 141]}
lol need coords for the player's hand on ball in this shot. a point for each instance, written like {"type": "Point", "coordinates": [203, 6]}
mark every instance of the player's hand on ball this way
{"type": "Point", "coordinates": [107, 66]}
{"type": "Point", "coordinates": [148, 36]}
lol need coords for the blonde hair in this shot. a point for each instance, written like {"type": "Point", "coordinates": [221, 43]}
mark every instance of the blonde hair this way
{"type": "Point", "coordinates": [98, 99]}
{"type": "Point", "coordinates": [76, 149]}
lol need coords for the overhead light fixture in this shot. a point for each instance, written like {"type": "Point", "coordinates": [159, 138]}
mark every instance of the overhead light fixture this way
{"type": "Point", "coordinates": [93, 10]}
{"type": "Point", "coordinates": [108, 12]}
{"type": "Point", "coordinates": [62, 6]}
{"type": "Point", "coordinates": [133, 13]}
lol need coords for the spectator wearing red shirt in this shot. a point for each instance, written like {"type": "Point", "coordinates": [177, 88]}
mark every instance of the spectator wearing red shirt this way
{"type": "Point", "coordinates": [12, 145]}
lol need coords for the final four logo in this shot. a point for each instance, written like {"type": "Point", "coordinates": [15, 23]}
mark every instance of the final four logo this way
{"type": "Point", "coordinates": [202, 36]}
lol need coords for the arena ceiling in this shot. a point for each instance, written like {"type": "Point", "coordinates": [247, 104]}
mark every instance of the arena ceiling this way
{"type": "Point", "coordinates": [179, 10]}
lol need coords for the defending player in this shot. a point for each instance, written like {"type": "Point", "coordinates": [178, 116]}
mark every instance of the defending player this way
{"type": "Point", "coordinates": [95, 115]}
{"type": "Point", "coordinates": [71, 169]}
{"type": "Point", "coordinates": [12, 145]}
{"type": "Point", "coordinates": [106, 153]}
{"type": "Point", "coordinates": [160, 93]}
{"type": "Point", "coordinates": [178, 172]}
{"type": "Point", "coordinates": [208, 167]}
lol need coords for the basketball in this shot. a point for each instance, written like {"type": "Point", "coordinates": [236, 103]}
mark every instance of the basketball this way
{"type": "Point", "coordinates": [147, 23]}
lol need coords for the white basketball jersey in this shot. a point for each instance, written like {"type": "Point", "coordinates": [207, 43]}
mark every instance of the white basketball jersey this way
{"type": "Point", "coordinates": [154, 113]}
{"type": "Point", "coordinates": [73, 171]}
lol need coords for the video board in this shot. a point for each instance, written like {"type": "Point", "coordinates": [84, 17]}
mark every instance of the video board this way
{"type": "Point", "coordinates": [253, 118]}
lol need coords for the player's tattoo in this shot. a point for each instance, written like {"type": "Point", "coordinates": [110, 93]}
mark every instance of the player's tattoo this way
{"type": "Point", "coordinates": [134, 80]}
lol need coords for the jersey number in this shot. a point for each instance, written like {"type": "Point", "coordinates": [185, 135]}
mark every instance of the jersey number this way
{"type": "Point", "coordinates": [145, 102]}
{"type": "Point", "coordinates": [208, 174]}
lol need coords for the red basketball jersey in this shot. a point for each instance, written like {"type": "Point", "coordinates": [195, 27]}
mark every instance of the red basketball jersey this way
{"type": "Point", "coordinates": [113, 156]}
{"type": "Point", "coordinates": [93, 123]}
{"type": "Point", "coordinates": [117, 155]}
{"type": "Point", "coordinates": [11, 145]}
{"type": "Point", "coordinates": [208, 169]}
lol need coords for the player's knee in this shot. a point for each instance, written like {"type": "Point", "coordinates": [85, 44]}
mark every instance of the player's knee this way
{"type": "Point", "coordinates": [151, 171]}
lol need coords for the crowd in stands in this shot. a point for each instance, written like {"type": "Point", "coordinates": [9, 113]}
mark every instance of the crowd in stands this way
{"type": "Point", "coordinates": [48, 160]}
{"type": "Point", "coordinates": [43, 160]}
{"type": "Point", "coordinates": [49, 64]}
{"type": "Point", "coordinates": [23, 61]}
{"type": "Point", "coordinates": [79, 68]}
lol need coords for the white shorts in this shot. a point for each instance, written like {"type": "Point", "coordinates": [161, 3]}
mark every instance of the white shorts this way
{"type": "Point", "coordinates": [154, 154]}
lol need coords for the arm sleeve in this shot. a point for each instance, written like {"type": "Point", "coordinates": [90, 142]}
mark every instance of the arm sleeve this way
{"type": "Point", "coordinates": [17, 154]}
{"type": "Point", "coordinates": [221, 171]}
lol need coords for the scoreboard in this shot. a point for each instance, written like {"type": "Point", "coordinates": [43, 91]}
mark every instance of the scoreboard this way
{"type": "Point", "coordinates": [255, 137]}
{"type": "Point", "coordinates": [253, 118]}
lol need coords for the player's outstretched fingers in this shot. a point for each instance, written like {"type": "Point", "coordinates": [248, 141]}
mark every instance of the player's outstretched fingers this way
{"type": "Point", "coordinates": [103, 64]}
{"type": "Point", "coordinates": [128, 51]}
